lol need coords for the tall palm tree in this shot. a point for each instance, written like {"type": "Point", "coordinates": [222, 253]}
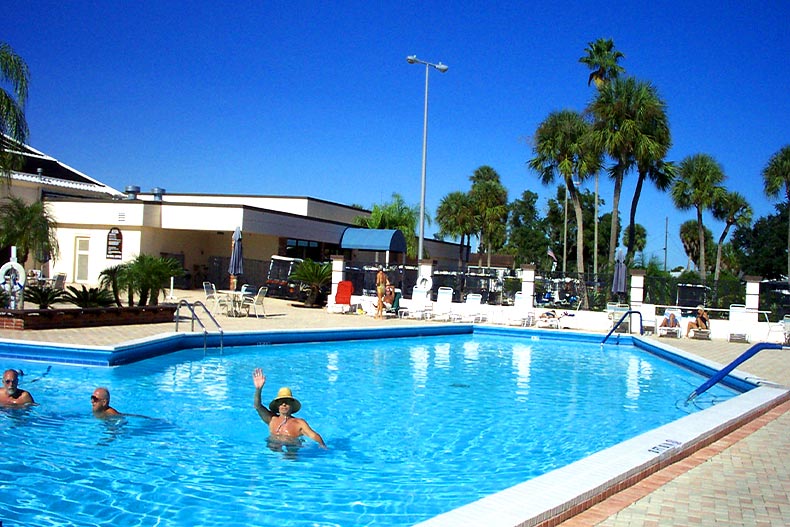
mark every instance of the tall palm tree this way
{"type": "Point", "coordinates": [776, 175]}
{"type": "Point", "coordinates": [562, 148]}
{"type": "Point", "coordinates": [733, 209]}
{"type": "Point", "coordinates": [689, 238]}
{"type": "Point", "coordinates": [602, 59]}
{"type": "Point", "coordinates": [395, 215]}
{"type": "Point", "coordinates": [13, 73]}
{"type": "Point", "coordinates": [455, 217]}
{"type": "Point", "coordinates": [640, 236]}
{"type": "Point", "coordinates": [628, 128]}
{"type": "Point", "coordinates": [489, 205]}
{"type": "Point", "coordinates": [698, 186]}
{"type": "Point", "coordinates": [29, 227]}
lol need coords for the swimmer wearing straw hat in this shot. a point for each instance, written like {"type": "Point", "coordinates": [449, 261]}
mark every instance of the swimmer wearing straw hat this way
{"type": "Point", "coordinates": [283, 426]}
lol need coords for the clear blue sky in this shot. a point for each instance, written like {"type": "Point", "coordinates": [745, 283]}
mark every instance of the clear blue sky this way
{"type": "Point", "coordinates": [316, 98]}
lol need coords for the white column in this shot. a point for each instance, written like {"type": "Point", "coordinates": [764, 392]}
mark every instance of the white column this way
{"type": "Point", "coordinates": [752, 297]}
{"type": "Point", "coordinates": [338, 275]}
{"type": "Point", "coordinates": [528, 283]}
{"type": "Point", "coordinates": [637, 295]}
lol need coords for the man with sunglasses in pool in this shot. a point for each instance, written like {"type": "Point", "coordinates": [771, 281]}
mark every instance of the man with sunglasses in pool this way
{"type": "Point", "coordinates": [100, 402]}
{"type": "Point", "coordinates": [285, 429]}
{"type": "Point", "coordinates": [10, 394]}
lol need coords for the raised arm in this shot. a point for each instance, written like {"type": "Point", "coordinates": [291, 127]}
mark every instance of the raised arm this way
{"type": "Point", "coordinates": [259, 379]}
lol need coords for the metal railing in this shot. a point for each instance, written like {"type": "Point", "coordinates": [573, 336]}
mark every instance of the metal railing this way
{"type": "Point", "coordinates": [195, 317]}
{"type": "Point", "coordinates": [627, 313]}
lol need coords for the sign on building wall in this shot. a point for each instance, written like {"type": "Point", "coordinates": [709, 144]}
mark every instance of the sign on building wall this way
{"type": "Point", "coordinates": [114, 244]}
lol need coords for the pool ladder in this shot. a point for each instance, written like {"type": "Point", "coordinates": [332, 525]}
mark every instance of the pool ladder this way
{"type": "Point", "coordinates": [627, 313]}
{"type": "Point", "coordinates": [195, 317]}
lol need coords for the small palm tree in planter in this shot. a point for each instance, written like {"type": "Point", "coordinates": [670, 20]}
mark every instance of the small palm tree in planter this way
{"type": "Point", "coordinates": [314, 276]}
{"type": "Point", "coordinates": [44, 296]}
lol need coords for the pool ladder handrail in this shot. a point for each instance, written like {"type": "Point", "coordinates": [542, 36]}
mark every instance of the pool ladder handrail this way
{"type": "Point", "coordinates": [721, 374]}
{"type": "Point", "coordinates": [195, 317]}
{"type": "Point", "coordinates": [629, 312]}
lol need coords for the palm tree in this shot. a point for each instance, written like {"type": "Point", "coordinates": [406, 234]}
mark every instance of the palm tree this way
{"type": "Point", "coordinates": [639, 237]}
{"type": "Point", "coordinates": [630, 126]}
{"type": "Point", "coordinates": [776, 175]}
{"type": "Point", "coordinates": [395, 215]}
{"type": "Point", "coordinates": [13, 73]}
{"type": "Point", "coordinates": [30, 228]}
{"type": "Point", "coordinates": [689, 237]}
{"type": "Point", "coordinates": [455, 217]}
{"type": "Point", "coordinates": [602, 59]}
{"type": "Point", "coordinates": [698, 186]}
{"type": "Point", "coordinates": [733, 209]}
{"type": "Point", "coordinates": [562, 148]}
{"type": "Point", "coordinates": [489, 207]}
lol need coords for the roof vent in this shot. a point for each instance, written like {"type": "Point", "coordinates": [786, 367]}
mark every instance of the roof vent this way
{"type": "Point", "coordinates": [40, 172]}
{"type": "Point", "coordinates": [132, 191]}
{"type": "Point", "coordinates": [157, 192]}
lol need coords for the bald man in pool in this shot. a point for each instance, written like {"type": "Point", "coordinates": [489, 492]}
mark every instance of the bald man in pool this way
{"type": "Point", "coordinates": [100, 403]}
{"type": "Point", "coordinates": [283, 426]}
{"type": "Point", "coordinates": [10, 394]}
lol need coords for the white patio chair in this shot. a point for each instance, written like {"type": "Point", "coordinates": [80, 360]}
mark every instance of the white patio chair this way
{"type": "Point", "coordinates": [255, 302]}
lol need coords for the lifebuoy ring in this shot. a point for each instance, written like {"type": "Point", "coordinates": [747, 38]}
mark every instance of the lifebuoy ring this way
{"type": "Point", "coordinates": [17, 269]}
{"type": "Point", "coordinates": [425, 282]}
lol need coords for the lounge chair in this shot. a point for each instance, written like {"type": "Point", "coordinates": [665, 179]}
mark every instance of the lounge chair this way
{"type": "Point", "coordinates": [342, 303]}
{"type": "Point", "coordinates": [470, 311]}
{"type": "Point", "coordinates": [60, 282]}
{"type": "Point", "coordinates": [649, 322]}
{"type": "Point", "coordinates": [615, 312]}
{"type": "Point", "coordinates": [420, 306]}
{"type": "Point", "coordinates": [255, 302]}
{"type": "Point", "coordinates": [667, 331]}
{"type": "Point", "coordinates": [392, 311]}
{"type": "Point", "coordinates": [739, 323]}
{"type": "Point", "coordinates": [548, 319]}
{"type": "Point", "coordinates": [444, 303]}
{"type": "Point", "coordinates": [521, 314]}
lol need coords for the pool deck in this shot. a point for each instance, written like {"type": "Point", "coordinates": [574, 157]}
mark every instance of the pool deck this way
{"type": "Point", "coordinates": [741, 479]}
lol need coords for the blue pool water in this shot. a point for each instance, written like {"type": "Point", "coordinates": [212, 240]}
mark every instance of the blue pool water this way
{"type": "Point", "coordinates": [415, 427]}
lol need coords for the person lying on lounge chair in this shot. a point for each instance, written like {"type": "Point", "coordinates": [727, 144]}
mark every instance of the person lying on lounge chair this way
{"type": "Point", "coordinates": [670, 321]}
{"type": "Point", "coordinates": [548, 314]}
{"type": "Point", "coordinates": [389, 295]}
{"type": "Point", "coordinates": [701, 322]}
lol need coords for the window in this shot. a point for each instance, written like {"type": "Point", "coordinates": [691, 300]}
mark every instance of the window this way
{"type": "Point", "coordinates": [81, 258]}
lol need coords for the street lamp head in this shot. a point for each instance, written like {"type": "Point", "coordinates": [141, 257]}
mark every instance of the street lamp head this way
{"type": "Point", "coordinates": [441, 67]}
{"type": "Point", "coordinates": [411, 59]}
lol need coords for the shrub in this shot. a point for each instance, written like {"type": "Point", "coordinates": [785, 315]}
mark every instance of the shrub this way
{"type": "Point", "coordinates": [93, 297]}
{"type": "Point", "coordinates": [44, 296]}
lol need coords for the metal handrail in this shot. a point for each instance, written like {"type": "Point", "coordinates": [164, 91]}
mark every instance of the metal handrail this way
{"type": "Point", "coordinates": [195, 317]}
{"type": "Point", "coordinates": [718, 376]}
{"type": "Point", "coordinates": [629, 312]}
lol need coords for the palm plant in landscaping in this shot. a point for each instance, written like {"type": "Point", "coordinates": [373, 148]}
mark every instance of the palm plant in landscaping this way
{"type": "Point", "coordinates": [87, 298]}
{"type": "Point", "coordinates": [314, 276]}
{"type": "Point", "coordinates": [43, 296]}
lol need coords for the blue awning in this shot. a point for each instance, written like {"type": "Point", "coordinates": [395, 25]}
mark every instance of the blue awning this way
{"type": "Point", "coordinates": [373, 240]}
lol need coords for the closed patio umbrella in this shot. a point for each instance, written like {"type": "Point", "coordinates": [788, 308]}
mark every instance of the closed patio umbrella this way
{"type": "Point", "coordinates": [618, 280]}
{"type": "Point", "coordinates": [236, 267]}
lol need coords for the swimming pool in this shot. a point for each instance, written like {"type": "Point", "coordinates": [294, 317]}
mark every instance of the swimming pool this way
{"type": "Point", "coordinates": [415, 427]}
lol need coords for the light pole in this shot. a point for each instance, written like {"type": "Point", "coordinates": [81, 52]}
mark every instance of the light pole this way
{"type": "Point", "coordinates": [412, 59]}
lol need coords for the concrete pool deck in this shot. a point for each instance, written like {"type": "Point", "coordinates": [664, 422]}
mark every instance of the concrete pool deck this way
{"type": "Point", "coordinates": [740, 479]}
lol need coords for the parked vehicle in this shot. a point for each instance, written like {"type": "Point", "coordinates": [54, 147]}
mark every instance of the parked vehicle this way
{"type": "Point", "coordinates": [278, 281]}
